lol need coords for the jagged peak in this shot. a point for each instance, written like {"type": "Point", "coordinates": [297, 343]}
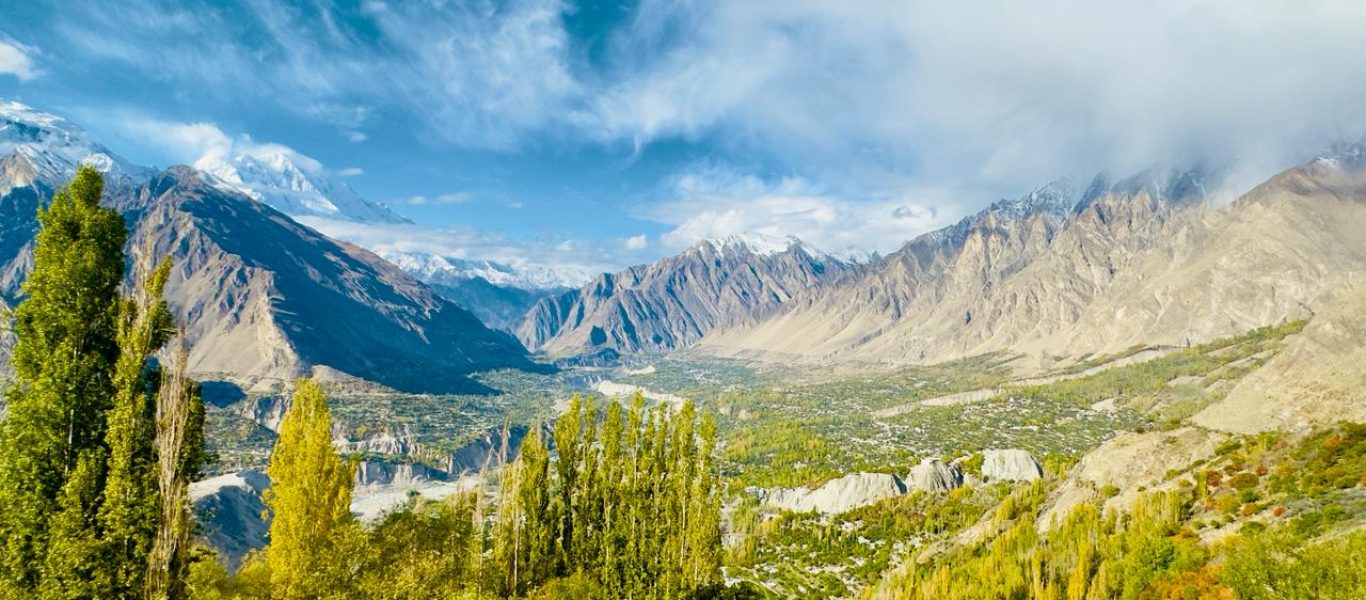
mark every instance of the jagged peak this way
{"type": "Point", "coordinates": [751, 242]}
{"type": "Point", "coordinates": [1057, 196]}
{"type": "Point", "coordinates": [1162, 183]}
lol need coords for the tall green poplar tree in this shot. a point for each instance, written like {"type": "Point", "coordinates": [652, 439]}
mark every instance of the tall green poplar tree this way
{"type": "Point", "coordinates": [52, 444]}
{"type": "Point", "coordinates": [80, 446]}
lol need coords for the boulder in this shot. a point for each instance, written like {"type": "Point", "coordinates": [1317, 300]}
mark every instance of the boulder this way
{"type": "Point", "coordinates": [837, 495]}
{"type": "Point", "coordinates": [932, 475]}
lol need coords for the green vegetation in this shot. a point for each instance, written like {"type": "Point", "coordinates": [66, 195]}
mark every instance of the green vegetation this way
{"type": "Point", "coordinates": [808, 555]}
{"type": "Point", "coordinates": [309, 497]}
{"type": "Point", "coordinates": [1173, 386]}
{"type": "Point", "coordinates": [99, 444]}
{"type": "Point", "coordinates": [630, 508]}
{"type": "Point", "coordinates": [438, 423]}
{"type": "Point", "coordinates": [1289, 532]}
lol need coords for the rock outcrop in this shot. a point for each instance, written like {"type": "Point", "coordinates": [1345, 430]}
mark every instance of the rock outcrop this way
{"type": "Point", "coordinates": [386, 441]}
{"type": "Point", "coordinates": [837, 495]}
{"type": "Point", "coordinates": [1128, 462]}
{"type": "Point", "coordinates": [1010, 465]}
{"type": "Point", "coordinates": [231, 514]}
{"type": "Point", "coordinates": [933, 475]}
{"type": "Point", "coordinates": [488, 449]}
{"type": "Point", "coordinates": [371, 473]}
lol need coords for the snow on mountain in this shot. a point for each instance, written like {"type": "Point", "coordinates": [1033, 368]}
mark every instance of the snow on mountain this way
{"type": "Point", "coordinates": [293, 184]}
{"type": "Point", "coordinates": [447, 270]}
{"type": "Point", "coordinates": [760, 244]}
{"type": "Point", "coordinates": [54, 147]}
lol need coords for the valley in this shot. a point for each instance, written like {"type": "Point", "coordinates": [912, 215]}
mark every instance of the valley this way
{"type": "Point", "coordinates": [1130, 389]}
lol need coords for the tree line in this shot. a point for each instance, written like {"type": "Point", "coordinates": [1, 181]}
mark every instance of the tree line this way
{"type": "Point", "coordinates": [627, 507]}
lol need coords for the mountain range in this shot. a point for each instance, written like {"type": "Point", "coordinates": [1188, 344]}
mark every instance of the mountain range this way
{"type": "Point", "coordinates": [1063, 272]}
{"type": "Point", "coordinates": [1060, 274]}
{"type": "Point", "coordinates": [262, 299]}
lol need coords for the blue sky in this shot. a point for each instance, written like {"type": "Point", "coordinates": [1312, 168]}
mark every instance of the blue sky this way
{"type": "Point", "coordinates": [608, 133]}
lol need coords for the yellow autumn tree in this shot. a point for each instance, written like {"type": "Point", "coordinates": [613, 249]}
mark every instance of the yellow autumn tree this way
{"type": "Point", "coordinates": [310, 498]}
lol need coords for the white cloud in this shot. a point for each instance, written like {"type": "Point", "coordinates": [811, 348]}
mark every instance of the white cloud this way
{"type": "Point", "coordinates": [17, 59]}
{"type": "Point", "coordinates": [997, 92]}
{"type": "Point", "coordinates": [637, 242]}
{"type": "Point", "coordinates": [204, 144]}
{"type": "Point", "coordinates": [453, 198]}
{"type": "Point", "coordinates": [1000, 93]}
{"type": "Point", "coordinates": [713, 202]}
{"type": "Point", "coordinates": [479, 75]}
{"type": "Point", "coordinates": [448, 198]}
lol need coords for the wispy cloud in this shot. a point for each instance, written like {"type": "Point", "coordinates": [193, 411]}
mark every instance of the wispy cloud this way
{"type": "Point", "coordinates": [855, 124]}
{"type": "Point", "coordinates": [17, 59]}
{"type": "Point", "coordinates": [999, 92]}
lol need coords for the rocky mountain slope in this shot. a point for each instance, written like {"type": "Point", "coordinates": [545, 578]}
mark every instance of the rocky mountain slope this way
{"type": "Point", "coordinates": [1053, 276]}
{"type": "Point", "coordinates": [262, 298]}
{"type": "Point", "coordinates": [672, 303]}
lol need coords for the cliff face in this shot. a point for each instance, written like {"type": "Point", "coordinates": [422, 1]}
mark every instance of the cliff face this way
{"type": "Point", "coordinates": [672, 303]}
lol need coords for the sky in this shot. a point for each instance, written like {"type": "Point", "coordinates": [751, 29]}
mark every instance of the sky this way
{"type": "Point", "coordinates": [609, 133]}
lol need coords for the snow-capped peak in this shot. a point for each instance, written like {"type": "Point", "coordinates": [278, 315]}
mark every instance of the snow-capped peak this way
{"type": "Point", "coordinates": [754, 243]}
{"type": "Point", "coordinates": [292, 183]}
{"type": "Point", "coordinates": [447, 270]}
{"type": "Point", "coordinates": [760, 244]}
{"type": "Point", "coordinates": [54, 147]}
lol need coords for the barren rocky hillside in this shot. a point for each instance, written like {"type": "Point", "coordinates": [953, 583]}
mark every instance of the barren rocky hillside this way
{"type": "Point", "coordinates": [1144, 261]}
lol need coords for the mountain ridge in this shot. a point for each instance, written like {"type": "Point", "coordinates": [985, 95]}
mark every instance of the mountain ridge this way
{"type": "Point", "coordinates": [673, 302]}
{"type": "Point", "coordinates": [1051, 287]}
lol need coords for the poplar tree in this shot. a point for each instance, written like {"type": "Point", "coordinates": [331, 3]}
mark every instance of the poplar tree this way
{"type": "Point", "coordinates": [52, 442]}
{"type": "Point", "coordinates": [129, 513]}
{"type": "Point", "coordinates": [632, 505]}
{"type": "Point", "coordinates": [310, 496]}
{"type": "Point", "coordinates": [180, 457]}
